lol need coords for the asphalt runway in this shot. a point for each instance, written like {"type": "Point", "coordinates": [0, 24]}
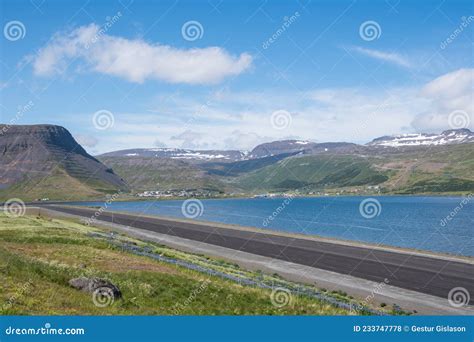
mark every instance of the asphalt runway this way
{"type": "Point", "coordinates": [430, 275]}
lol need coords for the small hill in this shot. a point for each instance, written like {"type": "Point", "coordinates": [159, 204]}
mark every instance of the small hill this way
{"type": "Point", "coordinates": [38, 161]}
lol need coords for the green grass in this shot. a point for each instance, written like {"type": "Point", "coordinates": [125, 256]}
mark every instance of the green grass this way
{"type": "Point", "coordinates": [38, 256]}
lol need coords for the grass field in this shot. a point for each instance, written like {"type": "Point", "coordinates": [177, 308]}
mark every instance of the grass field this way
{"type": "Point", "coordinates": [38, 256]}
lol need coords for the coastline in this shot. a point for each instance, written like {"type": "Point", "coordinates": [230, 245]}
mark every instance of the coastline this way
{"type": "Point", "coordinates": [360, 287]}
{"type": "Point", "coordinates": [318, 238]}
{"type": "Point", "coordinates": [134, 198]}
{"type": "Point", "coordinates": [312, 237]}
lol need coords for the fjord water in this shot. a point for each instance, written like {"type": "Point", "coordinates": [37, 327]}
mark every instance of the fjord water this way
{"type": "Point", "coordinates": [402, 221]}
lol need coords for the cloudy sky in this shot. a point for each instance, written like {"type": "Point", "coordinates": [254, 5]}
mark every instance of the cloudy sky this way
{"type": "Point", "coordinates": [233, 74]}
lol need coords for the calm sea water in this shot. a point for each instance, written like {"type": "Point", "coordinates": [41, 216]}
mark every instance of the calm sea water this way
{"type": "Point", "coordinates": [413, 222]}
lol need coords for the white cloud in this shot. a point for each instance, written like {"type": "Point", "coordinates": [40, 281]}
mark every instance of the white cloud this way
{"type": "Point", "coordinates": [448, 93]}
{"type": "Point", "coordinates": [235, 121]}
{"type": "Point", "coordinates": [242, 119]}
{"type": "Point", "coordinates": [137, 60]}
{"type": "Point", "coordinates": [389, 57]}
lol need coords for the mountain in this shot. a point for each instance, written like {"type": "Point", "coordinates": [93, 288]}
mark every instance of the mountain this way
{"type": "Point", "coordinates": [309, 173]}
{"type": "Point", "coordinates": [38, 161]}
{"type": "Point", "coordinates": [306, 147]}
{"type": "Point", "coordinates": [452, 136]}
{"type": "Point", "coordinates": [41, 161]}
{"type": "Point", "coordinates": [401, 170]}
{"type": "Point", "coordinates": [270, 149]}
{"type": "Point", "coordinates": [280, 147]}
{"type": "Point", "coordinates": [154, 173]}
{"type": "Point", "coordinates": [397, 164]}
{"type": "Point", "coordinates": [177, 153]}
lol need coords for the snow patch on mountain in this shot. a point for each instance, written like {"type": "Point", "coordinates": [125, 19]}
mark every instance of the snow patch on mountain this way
{"type": "Point", "coordinates": [453, 136]}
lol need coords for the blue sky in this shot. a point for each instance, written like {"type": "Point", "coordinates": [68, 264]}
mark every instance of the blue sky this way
{"type": "Point", "coordinates": [127, 74]}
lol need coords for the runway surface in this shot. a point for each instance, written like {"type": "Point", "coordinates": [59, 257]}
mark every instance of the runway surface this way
{"type": "Point", "coordinates": [430, 275]}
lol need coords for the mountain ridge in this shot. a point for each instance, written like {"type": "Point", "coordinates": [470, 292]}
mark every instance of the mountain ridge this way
{"type": "Point", "coordinates": [273, 148]}
{"type": "Point", "coordinates": [41, 161]}
{"type": "Point", "coordinates": [451, 136]}
{"type": "Point", "coordinates": [38, 161]}
{"type": "Point", "coordinates": [309, 168]}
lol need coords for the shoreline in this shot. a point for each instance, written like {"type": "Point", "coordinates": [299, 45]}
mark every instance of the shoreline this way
{"type": "Point", "coordinates": [318, 238]}
{"type": "Point", "coordinates": [135, 198]}
{"type": "Point", "coordinates": [312, 237]}
{"type": "Point", "coordinates": [356, 284]}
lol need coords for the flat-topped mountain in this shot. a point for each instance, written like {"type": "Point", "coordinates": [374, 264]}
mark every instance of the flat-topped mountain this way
{"type": "Point", "coordinates": [289, 147]}
{"type": "Point", "coordinates": [38, 161]}
{"type": "Point", "coordinates": [452, 136]}
{"type": "Point", "coordinates": [306, 147]}
{"type": "Point", "coordinates": [280, 147]}
{"type": "Point", "coordinates": [179, 153]}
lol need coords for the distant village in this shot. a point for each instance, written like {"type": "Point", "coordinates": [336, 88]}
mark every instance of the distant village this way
{"type": "Point", "coordinates": [212, 193]}
{"type": "Point", "coordinates": [180, 193]}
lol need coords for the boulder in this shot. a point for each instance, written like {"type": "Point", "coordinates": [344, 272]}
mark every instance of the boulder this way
{"type": "Point", "coordinates": [90, 285]}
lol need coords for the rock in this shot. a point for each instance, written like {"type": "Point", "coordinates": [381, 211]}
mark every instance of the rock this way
{"type": "Point", "coordinates": [92, 284]}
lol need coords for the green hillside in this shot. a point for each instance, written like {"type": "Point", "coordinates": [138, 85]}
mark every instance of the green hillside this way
{"type": "Point", "coordinates": [432, 169]}
{"type": "Point", "coordinates": [313, 173]}
{"type": "Point", "coordinates": [150, 173]}
{"type": "Point", "coordinates": [58, 185]}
